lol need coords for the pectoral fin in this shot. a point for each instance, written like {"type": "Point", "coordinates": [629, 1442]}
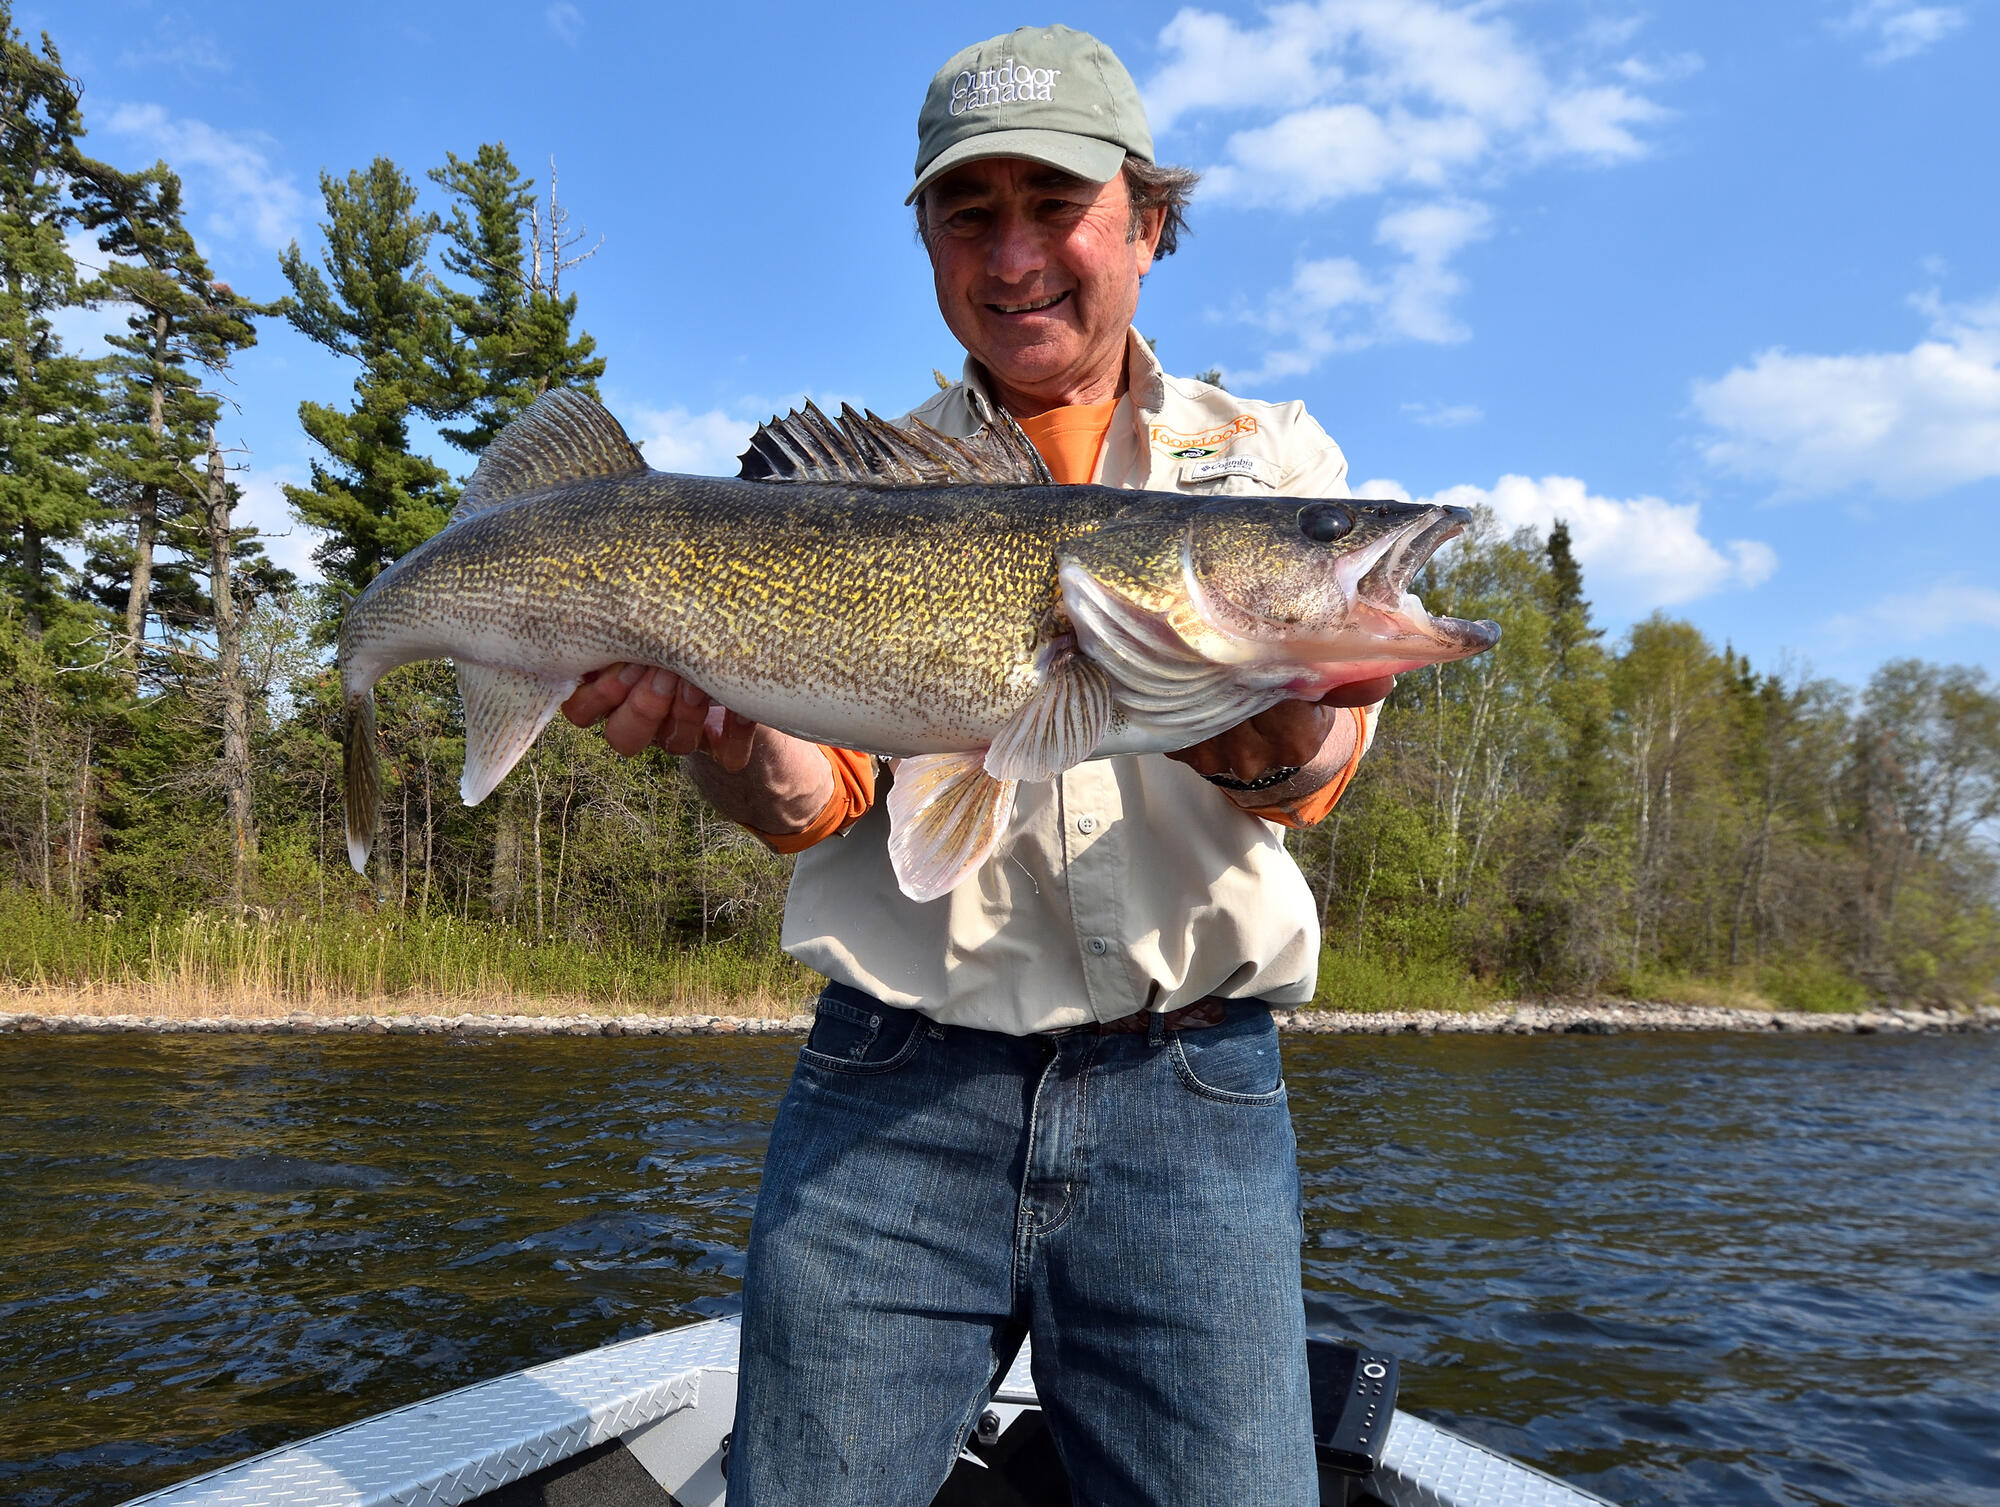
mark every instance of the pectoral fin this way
{"type": "Point", "coordinates": [1060, 727]}
{"type": "Point", "coordinates": [505, 710]}
{"type": "Point", "coordinates": [946, 814]}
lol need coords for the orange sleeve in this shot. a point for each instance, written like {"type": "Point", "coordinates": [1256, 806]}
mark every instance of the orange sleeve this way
{"type": "Point", "coordinates": [853, 794]}
{"type": "Point", "coordinates": [1312, 809]}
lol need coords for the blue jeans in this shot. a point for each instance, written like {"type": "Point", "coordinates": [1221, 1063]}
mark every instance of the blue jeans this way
{"type": "Point", "coordinates": [932, 1193]}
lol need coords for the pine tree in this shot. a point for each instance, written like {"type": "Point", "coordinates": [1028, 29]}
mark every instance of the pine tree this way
{"type": "Point", "coordinates": [1568, 608]}
{"type": "Point", "coordinates": [516, 320]}
{"type": "Point", "coordinates": [47, 397]}
{"type": "Point", "coordinates": [378, 304]}
{"type": "Point", "coordinates": [1579, 693]}
{"type": "Point", "coordinates": [160, 415]}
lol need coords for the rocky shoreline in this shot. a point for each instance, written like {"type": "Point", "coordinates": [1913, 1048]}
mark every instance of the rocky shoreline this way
{"type": "Point", "coordinates": [1594, 1018]}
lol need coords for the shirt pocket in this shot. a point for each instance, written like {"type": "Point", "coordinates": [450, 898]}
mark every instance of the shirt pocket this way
{"type": "Point", "coordinates": [1230, 473]}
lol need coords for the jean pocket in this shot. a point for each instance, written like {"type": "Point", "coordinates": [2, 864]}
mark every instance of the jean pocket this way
{"type": "Point", "coordinates": [854, 1032]}
{"type": "Point", "coordinates": [1233, 1063]}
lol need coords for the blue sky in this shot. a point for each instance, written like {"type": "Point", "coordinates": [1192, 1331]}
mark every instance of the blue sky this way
{"type": "Point", "coordinates": [1719, 283]}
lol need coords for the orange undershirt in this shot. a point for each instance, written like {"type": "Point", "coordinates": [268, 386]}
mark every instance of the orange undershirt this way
{"type": "Point", "coordinates": [1070, 441]}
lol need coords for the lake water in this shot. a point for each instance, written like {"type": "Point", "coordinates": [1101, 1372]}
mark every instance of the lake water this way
{"type": "Point", "coordinates": [1674, 1269]}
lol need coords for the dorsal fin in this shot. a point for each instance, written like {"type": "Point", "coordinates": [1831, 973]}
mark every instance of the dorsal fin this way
{"type": "Point", "coordinates": [566, 436]}
{"type": "Point", "coordinates": [865, 450]}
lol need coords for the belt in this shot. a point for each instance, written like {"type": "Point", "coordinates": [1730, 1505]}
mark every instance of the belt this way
{"type": "Point", "coordinates": [1211, 1011]}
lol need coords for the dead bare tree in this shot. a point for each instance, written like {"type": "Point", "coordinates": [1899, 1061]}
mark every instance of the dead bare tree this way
{"type": "Point", "coordinates": [218, 522]}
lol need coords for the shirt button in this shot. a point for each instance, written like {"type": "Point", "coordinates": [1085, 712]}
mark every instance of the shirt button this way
{"type": "Point", "coordinates": [1098, 946]}
{"type": "Point", "coordinates": [1086, 825]}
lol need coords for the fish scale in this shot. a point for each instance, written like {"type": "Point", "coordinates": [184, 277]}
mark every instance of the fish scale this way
{"type": "Point", "coordinates": [896, 591]}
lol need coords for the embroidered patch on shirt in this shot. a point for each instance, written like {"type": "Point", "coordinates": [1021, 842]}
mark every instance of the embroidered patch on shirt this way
{"type": "Point", "coordinates": [1193, 446]}
{"type": "Point", "coordinates": [1224, 465]}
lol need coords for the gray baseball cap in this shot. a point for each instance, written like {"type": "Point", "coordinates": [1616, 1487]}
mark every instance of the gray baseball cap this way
{"type": "Point", "coordinates": [1045, 93]}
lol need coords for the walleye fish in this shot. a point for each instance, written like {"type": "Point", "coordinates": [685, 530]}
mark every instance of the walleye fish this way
{"type": "Point", "coordinates": [891, 590]}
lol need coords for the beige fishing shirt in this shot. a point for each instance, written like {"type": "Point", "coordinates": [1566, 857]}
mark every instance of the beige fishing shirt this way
{"type": "Point", "coordinates": [1128, 883]}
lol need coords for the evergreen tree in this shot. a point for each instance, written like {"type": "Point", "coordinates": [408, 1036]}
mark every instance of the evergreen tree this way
{"type": "Point", "coordinates": [160, 416]}
{"type": "Point", "coordinates": [1580, 692]}
{"type": "Point", "coordinates": [47, 397]}
{"type": "Point", "coordinates": [516, 321]}
{"type": "Point", "coordinates": [378, 304]}
{"type": "Point", "coordinates": [1568, 608]}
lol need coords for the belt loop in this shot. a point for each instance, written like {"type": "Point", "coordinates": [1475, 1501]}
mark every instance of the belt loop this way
{"type": "Point", "coordinates": [1156, 1028]}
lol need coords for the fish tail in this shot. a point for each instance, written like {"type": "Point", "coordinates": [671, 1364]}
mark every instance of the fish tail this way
{"type": "Point", "coordinates": [360, 777]}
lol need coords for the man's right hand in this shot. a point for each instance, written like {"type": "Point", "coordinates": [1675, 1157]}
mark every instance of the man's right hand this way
{"type": "Point", "coordinates": [754, 775]}
{"type": "Point", "coordinates": [640, 706]}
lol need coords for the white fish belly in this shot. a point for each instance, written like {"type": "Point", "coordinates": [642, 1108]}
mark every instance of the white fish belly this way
{"type": "Point", "coordinates": [880, 727]}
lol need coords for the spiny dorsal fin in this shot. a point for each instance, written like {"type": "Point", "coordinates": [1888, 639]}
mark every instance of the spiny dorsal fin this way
{"type": "Point", "coordinates": [865, 450]}
{"type": "Point", "coordinates": [566, 436]}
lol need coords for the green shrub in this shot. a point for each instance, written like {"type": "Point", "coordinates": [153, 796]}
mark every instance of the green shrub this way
{"type": "Point", "coordinates": [1813, 983]}
{"type": "Point", "coordinates": [1375, 978]}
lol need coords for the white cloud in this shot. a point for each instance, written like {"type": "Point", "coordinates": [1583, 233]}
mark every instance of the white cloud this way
{"type": "Point", "coordinates": [168, 50]}
{"type": "Point", "coordinates": [566, 21]}
{"type": "Point", "coordinates": [245, 195]}
{"type": "Point", "coordinates": [1420, 101]}
{"type": "Point", "coordinates": [1660, 70]}
{"type": "Point", "coordinates": [694, 444]}
{"type": "Point", "coordinates": [1900, 28]}
{"type": "Point", "coordinates": [710, 442]}
{"type": "Point", "coordinates": [1943, 610]}
{"type": "Point", "coordinates": [1907, 424]}
{"type": "Point", "coordinates": [1638, 553]}
{"type": "Point", "coordinates": [1335, 305]}
{"type": "Point", "coordinates": [1444, 416]}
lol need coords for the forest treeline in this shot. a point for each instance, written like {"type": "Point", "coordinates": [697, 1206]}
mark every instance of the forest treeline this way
{"type": "Point", "coordinates": [1653, 816]}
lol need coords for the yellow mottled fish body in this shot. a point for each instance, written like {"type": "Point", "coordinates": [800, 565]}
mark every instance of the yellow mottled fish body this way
{"type": "Point", "coordinates": [908, 595]}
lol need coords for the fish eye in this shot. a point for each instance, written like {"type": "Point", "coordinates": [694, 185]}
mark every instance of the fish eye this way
{"type": "Point", "coordinates": [1324, 522]}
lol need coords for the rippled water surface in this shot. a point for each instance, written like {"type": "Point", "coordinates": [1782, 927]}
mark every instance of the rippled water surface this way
{"type": "Point", "coordinates": [1673, 1269]}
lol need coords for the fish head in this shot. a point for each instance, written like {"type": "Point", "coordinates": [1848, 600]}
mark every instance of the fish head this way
{"type": "Point", "coordinates": [1315, 589]}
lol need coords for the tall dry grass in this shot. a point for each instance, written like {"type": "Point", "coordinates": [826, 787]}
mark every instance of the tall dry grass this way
{"type": "Point", "coordinates": [206, 964]}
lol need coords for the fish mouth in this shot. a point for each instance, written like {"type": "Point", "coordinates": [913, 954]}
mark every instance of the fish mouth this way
{"type": "Point", "coordinates": [1405, 553]}
{"type": "Point", "coordinates": [1378, 579]}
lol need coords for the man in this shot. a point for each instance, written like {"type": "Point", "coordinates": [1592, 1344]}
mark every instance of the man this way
{"type": "Point", "coordinates": [1050, 1101]}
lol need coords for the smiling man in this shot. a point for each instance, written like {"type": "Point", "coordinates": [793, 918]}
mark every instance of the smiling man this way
{"type": "Point", "coordinates": [1048, 1103]}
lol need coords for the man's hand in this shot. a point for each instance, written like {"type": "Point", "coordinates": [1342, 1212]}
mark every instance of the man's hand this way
{"type": "Point", "coordinates": [640, 705]}
{"type": "Point", "coordinates": [1287, 736]}
{"type": "Point", "coordinates": [756, 776]}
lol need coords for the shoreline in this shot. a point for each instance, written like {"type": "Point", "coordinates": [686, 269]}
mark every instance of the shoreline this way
{"type": "Point", "coordinates": [1552, 1018]}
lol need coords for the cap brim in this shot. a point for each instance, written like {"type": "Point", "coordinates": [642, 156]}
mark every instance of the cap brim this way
{"type": "Point", "coordinates": [1088, 157]}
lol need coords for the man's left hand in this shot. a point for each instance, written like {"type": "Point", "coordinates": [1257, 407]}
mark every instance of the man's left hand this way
{"type": "Point", "coordinates": [1287, 736]}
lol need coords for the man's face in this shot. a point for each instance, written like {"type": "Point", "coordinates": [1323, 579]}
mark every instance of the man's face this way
{"type": "Point", "coordinates": [1038, 276]}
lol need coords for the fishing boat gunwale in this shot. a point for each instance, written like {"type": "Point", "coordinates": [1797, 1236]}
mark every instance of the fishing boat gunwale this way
{"type": "Point", "coordinates": [666, 1401]}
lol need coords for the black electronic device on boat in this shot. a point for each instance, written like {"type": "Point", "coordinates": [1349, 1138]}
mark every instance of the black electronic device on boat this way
{"type": "Point", "coordinates": [1353, 1399]}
